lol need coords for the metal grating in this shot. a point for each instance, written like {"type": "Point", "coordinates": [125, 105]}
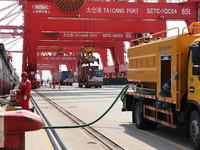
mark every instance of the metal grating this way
{"type": "Point", "coordinates": [69, 5]}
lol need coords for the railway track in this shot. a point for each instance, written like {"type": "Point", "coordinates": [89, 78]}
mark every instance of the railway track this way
{"type": "Point", "coordinates": [107, 143]}
{"type": "Point", "coordinates": [56, 141]}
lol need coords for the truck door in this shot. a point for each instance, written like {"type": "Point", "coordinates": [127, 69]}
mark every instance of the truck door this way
{"type": "Point", "coordinates": [194, 73]}
{"type": "Point", "coordinates": [165, 75]}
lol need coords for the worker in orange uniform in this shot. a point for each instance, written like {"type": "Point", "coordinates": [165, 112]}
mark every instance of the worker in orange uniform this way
{"type": "Point", "coordinates": [25, 88]}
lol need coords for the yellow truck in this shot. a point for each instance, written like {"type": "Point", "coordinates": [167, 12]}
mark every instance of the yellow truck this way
{"type": "Point", "coordinates": [164, 77]}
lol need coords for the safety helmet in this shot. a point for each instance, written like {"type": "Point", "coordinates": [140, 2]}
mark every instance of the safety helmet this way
{"type": "Point", "coordinates": [24, 73]}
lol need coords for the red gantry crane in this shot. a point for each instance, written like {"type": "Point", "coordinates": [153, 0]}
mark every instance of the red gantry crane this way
{"type": "Point", "coordinates": [50, 25]}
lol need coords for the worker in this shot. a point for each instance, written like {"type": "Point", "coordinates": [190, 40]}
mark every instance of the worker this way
{"type": "Point", "coordinates": [25, 88]}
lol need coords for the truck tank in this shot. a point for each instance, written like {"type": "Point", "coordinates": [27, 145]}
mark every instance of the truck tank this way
{"type": "Point", "coordinates": [153, 64]}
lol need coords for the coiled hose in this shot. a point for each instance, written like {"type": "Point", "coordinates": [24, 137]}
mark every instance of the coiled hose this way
{"type": "Point", "coordinates": [119, 95]}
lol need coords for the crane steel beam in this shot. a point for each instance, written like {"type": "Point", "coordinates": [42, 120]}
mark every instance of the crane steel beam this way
{"type": "Point", "coordinates": [45, 67]}
{"type": "Point", "coordinates": [77, 29]}
{"type": "Point", "coordinates": [93, 10]}
{"type": "Point", "coordinates": [11, 33]}
{"type": "Point", "coordinates": [15, 51]}
{"type": "Point", "coordinates": [57, 58]}
{"type": "Point", "coordinates": [60, 43]}
{"type": "Point", "coordinates": [58, 62]}
{"type": "Point", "coordinates": [8, 16]}
{"type": "Point", "coordinates": [104, 36]}
{"type": "Point", "coordinates": [66, 50]}
{"type": "Point", "coordinates": [12, 27]}
{"type": "Point", "coordinates": [100, 24]}
{"type": "Point", "coordinates": [55, 50]}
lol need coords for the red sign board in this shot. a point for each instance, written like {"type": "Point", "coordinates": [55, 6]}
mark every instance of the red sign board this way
{"type": "Point", "coordinates": [57, 58]}
{"type": "Point", "coordinates": [111, 11]}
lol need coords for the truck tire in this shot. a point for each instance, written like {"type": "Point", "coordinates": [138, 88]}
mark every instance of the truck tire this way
{"type": "Point", "coordinates": [79, 85]}
{"type": "Point", "coordinates": [87, 85]}
{"type": "Point", "coordinates": [140, 121]}
{"type": "Point", "coordinates": [194, 129]}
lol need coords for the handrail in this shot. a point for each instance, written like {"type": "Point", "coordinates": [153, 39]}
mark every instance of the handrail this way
{"type": "Point", "coordinates": [148, 38]}
{"type": "Point", "coordinates": [189, 27]}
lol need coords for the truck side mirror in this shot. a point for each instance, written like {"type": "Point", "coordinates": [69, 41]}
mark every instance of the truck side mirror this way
{"type": "Point", "coordinates": [195, 53]}
{"type": "Point", "coordinates": [196, 70]}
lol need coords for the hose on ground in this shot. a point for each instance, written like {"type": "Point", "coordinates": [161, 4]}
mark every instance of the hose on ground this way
{"type": "Point", "coordinates": [88, 124]}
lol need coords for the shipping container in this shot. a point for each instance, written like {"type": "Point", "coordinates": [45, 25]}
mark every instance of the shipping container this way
{"type": "Point", "coordinates": [90, 76]}
{"type": "Point", "coordinates": [66, 78]}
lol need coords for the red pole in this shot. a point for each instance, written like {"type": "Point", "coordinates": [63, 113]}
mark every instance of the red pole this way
{"type": "Point", "coordinates": [54, 84]}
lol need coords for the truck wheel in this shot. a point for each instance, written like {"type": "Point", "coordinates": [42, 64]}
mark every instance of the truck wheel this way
{"type": "Point", "coordinates": [79, 85]}
{"type": "Point", "coordinates": [194, 129]}
{"type": "Point", "coordinates": [140, 121]}
{"type": "Point", "coordinates": [99, 86]}
{"type": "Point", "coordinates": [96, 86]}
{"type": "Point", "coordinates": [86, 85]}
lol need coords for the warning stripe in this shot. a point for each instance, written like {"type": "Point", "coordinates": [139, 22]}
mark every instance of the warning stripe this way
{"type": "Point", "coordinates": [150, 97]}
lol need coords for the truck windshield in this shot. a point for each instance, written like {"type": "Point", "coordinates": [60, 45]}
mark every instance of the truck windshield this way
{"type": "Point", "coordinates": [98, 73]}
{"type": "Point", "coordinates": [70, 76]}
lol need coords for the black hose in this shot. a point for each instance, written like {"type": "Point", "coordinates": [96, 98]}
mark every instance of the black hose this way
{"type": "Point", "coordinates": [58, 127]}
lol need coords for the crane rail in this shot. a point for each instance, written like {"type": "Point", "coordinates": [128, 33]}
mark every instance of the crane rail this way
{"type": "Point", "coordinates": [56, 142]}
{"type": "Point", "coordinates": [108, 143]}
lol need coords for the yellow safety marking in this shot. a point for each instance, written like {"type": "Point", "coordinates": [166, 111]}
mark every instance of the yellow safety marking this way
{"type": "Point", "coordinates": [100, 97]}
{"type": "Point", "coordinates": [151, 134]}
{"type": "Point", "coordinates": [95, 111]}
{"type": "Point", "coordinates": [46, 140]}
